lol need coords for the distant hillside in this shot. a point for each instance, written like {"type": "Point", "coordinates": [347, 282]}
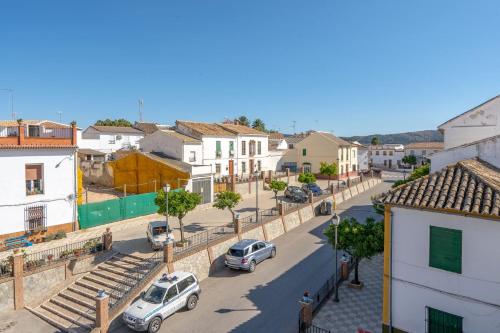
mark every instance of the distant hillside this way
{"type": "Point", "coordinates": [403, 138]}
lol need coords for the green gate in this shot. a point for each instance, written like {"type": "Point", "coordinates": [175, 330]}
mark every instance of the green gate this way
{"type": "Point", "coordinates": [104, 212]}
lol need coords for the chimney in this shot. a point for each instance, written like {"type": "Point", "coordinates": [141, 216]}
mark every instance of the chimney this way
{"type": "Point", "coordinates": [20, 132]}
{"type": "Point", "coordinates": [73, 133]}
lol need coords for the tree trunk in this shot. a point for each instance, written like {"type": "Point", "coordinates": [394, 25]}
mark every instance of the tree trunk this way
{"type": "Point", "coordinates": [329, 178]}
{"type": "Point", "coordinates": [232, 213]}
{"type": "Point", "coordinates": [181, 225]}
{"type": "Point", "coordinates": [356, 270]}
{"type": "Point", "coordinates": [276, 198]}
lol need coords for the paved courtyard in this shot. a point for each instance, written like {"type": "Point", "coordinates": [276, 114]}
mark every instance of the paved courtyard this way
{"type": "Point", "coordinates": [357, 308]}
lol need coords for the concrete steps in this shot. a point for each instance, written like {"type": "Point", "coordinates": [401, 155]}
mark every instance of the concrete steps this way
{"type": "Point", "coordinates": [73, 308]}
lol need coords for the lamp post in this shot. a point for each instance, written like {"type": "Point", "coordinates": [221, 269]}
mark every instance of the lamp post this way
{"type": "Point", "coordinates": [256, 174]}
{"type": "Point", "coordinates": [166, 189]}
{"type": "Point", "coordinates": [335, 221]}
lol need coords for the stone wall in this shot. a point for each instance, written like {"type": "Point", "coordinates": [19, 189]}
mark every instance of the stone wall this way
{"type": "Point", "coordinates": [7, 295]}
{"type": "Point", "coordinates": [274, 229]}
{"type": "Point", "coordinates": [354, 191]}
{"type": "Point", "coordinates": [255, 233]}
{"type": "Point", "coordinates": [346, 194]}
{"type": "Point", "coordinates": [37, 284]}
{"type": "Point", "coordinates": [291, 220]}
{"type": "Point", "coordinates": [306, 213]}
{"type": "Point", "coordinates": [219, 250]}
{"type": "Point", "coordinates": [360, 188]}
{"type": "Point", "coordinates": [338, 198]}
{"type": "Point", "coordinates": [197, 263]}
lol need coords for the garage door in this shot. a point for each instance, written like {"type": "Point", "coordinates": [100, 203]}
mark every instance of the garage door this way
{"type": "Point", "coordinates": [203, 188]}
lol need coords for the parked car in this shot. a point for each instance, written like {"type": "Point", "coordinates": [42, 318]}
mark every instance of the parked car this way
{"type": "Point", "coordinates": [157, 234]}
{"type": "Point", "coordinates": [163, 298]}
{"type": "Point", "coordinates": [247, 253]}
{"type": "Point", "coordinates": [312, 187]}
{"type": "Point", "coordinates": [296, 194]}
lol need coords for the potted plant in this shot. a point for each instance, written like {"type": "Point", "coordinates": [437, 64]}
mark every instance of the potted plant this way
{"type": "Point", "coordinates": [77, 252]}
{"type": "Point", "coordinates": [50, 257]}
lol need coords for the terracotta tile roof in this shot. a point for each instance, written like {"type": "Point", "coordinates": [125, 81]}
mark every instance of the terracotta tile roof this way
{"type": "Point", "coordinates": [167, 160]}
{"type": "Point", "coordinates": [241, 129]}
{"type": "Point", "coordinates": [205, 128]}
{"type": "Point", "coordinates": [180, 136]}
{"type": "Point", "coordinates": [44, 146]}
{"type": "Point", "coordinates": [88, 151]}
{"type": "Point", "coordinates": [148, 128]}
{"type": "Point", "coordinates": [295, 138]}
{"type": "Point", "coordinates": [334, 138]}
{"type": "Point", "coordinates": [470, 187]}
{"type": "Point", "coordinates": [117, 129]}
{"type": "Point", "coordinates": [46, 123]}
{"type": "Point", "coordinates": [276, 136]}
{"type": "Point", "coordinates": [425, 145]}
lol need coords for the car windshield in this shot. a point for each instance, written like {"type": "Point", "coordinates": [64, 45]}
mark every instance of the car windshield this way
{"type": "Point", "coordinates": [154, 294]}
{"type": "Point", "coordinates": [295, 189]}
{"type": "Point", "coordinates": [159, 230]}
{"type": "Point", "coordinates": [235, 252]}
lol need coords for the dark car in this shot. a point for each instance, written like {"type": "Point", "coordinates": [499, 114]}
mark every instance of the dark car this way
{"type": "Point", "coordinates": [312, 187]}
{"type": "Point", "coordinates": [296, 194]}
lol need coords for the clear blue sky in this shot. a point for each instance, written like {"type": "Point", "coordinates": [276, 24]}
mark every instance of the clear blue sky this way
{"type": "Point", "coordinates": [353, 67]}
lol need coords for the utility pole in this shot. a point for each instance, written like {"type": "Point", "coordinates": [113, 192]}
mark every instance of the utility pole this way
{"type": "Point", "coordinates": [141, 106]}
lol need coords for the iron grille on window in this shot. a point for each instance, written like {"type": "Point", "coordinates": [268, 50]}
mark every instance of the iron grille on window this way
{"type": "Point", "coordinates": [35, 218]}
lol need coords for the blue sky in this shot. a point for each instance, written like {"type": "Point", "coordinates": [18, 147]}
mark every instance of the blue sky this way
{"type": "Point", "coordinates": [352, 67]}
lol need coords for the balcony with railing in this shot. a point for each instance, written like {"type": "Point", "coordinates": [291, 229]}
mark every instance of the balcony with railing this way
{"type": "Point", "coordinates": [40, 134]}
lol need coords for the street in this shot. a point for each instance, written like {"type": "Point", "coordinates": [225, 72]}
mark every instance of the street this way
{"type": "Point", "coordinates": [267, 300]}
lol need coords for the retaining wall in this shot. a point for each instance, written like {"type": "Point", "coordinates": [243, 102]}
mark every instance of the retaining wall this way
{"type": "Point", "coordinates": [7, 295]}
{"type": "Point", "coordinates": [219, 250]}
{"type": "Point", "coordinates": [255, 233]}
{"type": "Point", "coordinates": [274, 229]}
{"type": "Point", "coordinates": [354, 191]}
{"type": "Point", "coordinates": [197, 263]}
{"type": "Point", "coordinates": [306, 213]}
{"type": "Point", "coordinates": [291, 220]}
{"type": "Point", "coordinates": [37, 284]}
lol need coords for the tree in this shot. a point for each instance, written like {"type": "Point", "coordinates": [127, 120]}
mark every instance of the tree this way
{"type": "Point", "coordinates": [242, 120]}
{"type": "Point", "coordinates": [328, 170]}
{"type": "Point", "coordinates": [307, 178]}
{"type": "Point", "coordinates": [259, 125]}
{"type": "Point", "coordinates": [416, 174]}
{"type": "Point", "coordinates": [180, 202]}
{"type": "Point", "coordinates": [227, 199]}
{"type": "Point", "coordinates": [116, 122]}
{"type": "Point", "coordinates": [375, 141]}
{"type": "Point", "coordinates": [358, 240]}
{"type": "Point", "coordinates": [276, 186]}
{"type": "Point", "coordinates": [409, 159]}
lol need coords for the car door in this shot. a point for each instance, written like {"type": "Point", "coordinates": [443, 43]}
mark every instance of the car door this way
{"type": "Point", "coordinates": [170, 302]}
{"type": "Point", "coordinates": [261, 251]}
{"type": "Point", "coordinates": [185, 287]}
{"type": "Point", "coordinates": [264, 250]}
{"type": "Point", "coordinates": [256, 252]}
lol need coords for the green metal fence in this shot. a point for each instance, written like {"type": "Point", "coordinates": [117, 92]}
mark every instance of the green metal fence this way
{"type": "Point", "coordinates": [99, 213]}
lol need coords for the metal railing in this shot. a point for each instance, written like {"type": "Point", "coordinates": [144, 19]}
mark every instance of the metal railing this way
{"type": "Point", "coordinates": [48, 132]}
{"type": "Point", "coordinates": [135, 279]}
{"type": "Point", "coordinates": [6, 267]}
{"type": "Point", "coordinates": [203, 239]}
{"type": "Point", "coordinates": [312, 328]}
{"type": "Point", "coordinates": [47, 257]}
{"type": "Point", "coordinates": [264, 215]}
{"type": "Point", "coordinates": [288, 206]}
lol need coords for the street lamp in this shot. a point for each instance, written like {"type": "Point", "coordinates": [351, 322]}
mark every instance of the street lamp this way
{"type": "Point", "coordinates": [256, 174]}
{"type": "Point", "coordinates": [166, 189]}
{"type": "Point", "coordinates": [335, 221]}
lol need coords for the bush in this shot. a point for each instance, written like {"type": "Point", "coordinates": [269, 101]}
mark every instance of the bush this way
{"type": "Point", "coordinates": [49, 237]}
{"type": "Point", "coordinates": [60, 235]}
{"type": "Point", "coordinates": [307, 178]}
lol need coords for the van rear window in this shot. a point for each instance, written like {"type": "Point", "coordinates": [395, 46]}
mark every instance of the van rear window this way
{"type": "Point", "coordinates": [235, 253]}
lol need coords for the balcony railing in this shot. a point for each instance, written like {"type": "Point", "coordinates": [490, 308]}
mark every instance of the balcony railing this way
{"type": "Point", "coordinates": [48, 132]}
{"type": "Point", "coordinates": [8, 131]}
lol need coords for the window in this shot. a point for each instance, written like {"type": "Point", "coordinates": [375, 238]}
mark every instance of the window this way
{"type": "Point", "coordinates": [385, 162]}
{"type": "Point", "coordinates": [217, 168]}
{"type": "Point", "coordinates": [243, 147]}
{"type": "Point", "coordinates": [261, 245]}
{"type": "Point", "coordinates": [384, 153]}
{"type": "Point", "coordinates": [391, 153]}
{"type": "Point", "coordinates": [341, 169]}
{"type": "Point", "coordinates": [231, 148]}
{"type": "Point", "coordinates": [192, 156]}
{"type": "Point", "coordinates": [354, 167]}
{"type": "Point", "coordinates": [34, 178]}
{"type": "Point", "coordinates": [218, 149]}
{"type": "Point", "coordinates": [259, 147]}
{"type": "Point", "coordinates": [290, 146]}
{"type": "Point", "coordinates": [259, 165]}
{"type": "Point", "coordinates": [304, 152]}
{"type": "Point", "coordinates": [377, 153]}
{"type": "Point", "coordinates": [171, 293]}
{"type": "Point", "coordinates": [35, 218]}
{"type": "Point", "coordinates": [255, 247]}
{"type": "Point", "coordinates": [251, 147]}
{"type": "Point", "coordinates": [443, 322]}
{"type": "Point", "coordinates": [184, 284]}
{"type": "Point", "coordinates": [306, 167]}
{"type": "Point", "coordinates": [445, 249]}
{"type": "Point", "coordinates": [342, 154]}
{"type": "Point", "coordinates": [424, 152]}
{"type": "Point", "coordinates": [243, 167]}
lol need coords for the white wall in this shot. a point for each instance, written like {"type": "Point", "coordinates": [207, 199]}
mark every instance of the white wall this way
{"type": "Point", "coordinates": [414, 280]}
{"type": "Point", "coordinates": [487, 150]}
{"type": "Point", "coordinates": [172, 146]}
{"type": "Point", "coordinates": [94, 139]}
{"type": "Point", "coordinates": [363, 159]}
{"type": "Point", "coordinates": [479, 124]}
{"type": "Point", "coordinates": [59, 183]}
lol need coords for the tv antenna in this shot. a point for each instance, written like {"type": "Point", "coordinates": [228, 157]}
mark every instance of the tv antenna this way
{"type": "Point", "coordinates": [60, 116]}
{"type": "Point", "coordinates": [141, 106]}
{"type": "Point", "coordinates": [11, 97]}
{"type": "Point", "coordinates": [294, 122]}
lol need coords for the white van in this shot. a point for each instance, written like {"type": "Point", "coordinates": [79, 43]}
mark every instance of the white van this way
{"type": "Point", "coordinates": [163, 298]}
{"type": "Point", "coordinates": [157, 234]}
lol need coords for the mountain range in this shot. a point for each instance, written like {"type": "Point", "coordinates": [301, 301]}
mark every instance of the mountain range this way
{"type": "Point", "coordinates": [403, 138]}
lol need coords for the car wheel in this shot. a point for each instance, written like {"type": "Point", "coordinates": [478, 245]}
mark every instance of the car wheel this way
{"type": "Point", "coordinates": [273, 253]}
{"type": "Point", "coordinates": [154, 325]}
{"type": "Point", "coordinates": [251, 268]}
{"type": "Point", "coordinates": [192, 302]}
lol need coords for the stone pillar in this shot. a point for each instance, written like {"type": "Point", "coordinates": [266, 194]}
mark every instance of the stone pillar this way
{"type": "Point", "coordinates": [306, 314]}
{"type": "Point", "coordinates": [331, 188]}
{"type": "Point", "coordinates": [281, 208]}
{"type": "Point", "coordinates": [17, 269]}
{"type": "Point", "coordinates": [288, 175]}
{"type": "Point", "coordinates": [73, 133]}
{"type": "Point", "coordinates": [344, 269]}
{"type": "Point", "coordinates": [20, 134]}
{"type": "Point", "coordinates": [310, 197]}
{"type": "Point", "coordinates": [168, 255]}
{"type": "Point", "coordinates": [101, 312]}
{"type": "Point", "coordinates": [233, 182]}
{"type": "Point", "coordinates": [238, 229]}
{"type": "Point", "coordinates": [107, 240]}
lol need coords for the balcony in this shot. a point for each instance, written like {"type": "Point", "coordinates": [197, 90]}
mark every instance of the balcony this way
{"type": "Point", "coordinates": [42, 134]}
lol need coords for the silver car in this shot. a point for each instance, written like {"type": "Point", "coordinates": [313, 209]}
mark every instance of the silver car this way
{"type": "Point", "coordinates": [156, 234]}
{"type": "Point", "coordinates": [166, 296]}
{"type": "Point", "coordinates": [247, 253]}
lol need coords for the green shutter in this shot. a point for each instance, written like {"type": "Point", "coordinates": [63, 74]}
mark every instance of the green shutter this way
{"type": "Point", "coordinates": [443, 322]}
{"type": "Point", "coordinates": [218, 149]}
{"type": "Point", "coordinates": [304, 152]}
{"type": "Point", "coordinates": [445, 250]}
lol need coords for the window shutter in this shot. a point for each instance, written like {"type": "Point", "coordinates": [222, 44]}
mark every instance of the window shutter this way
{"type": "Point", "coordinates": [445, 250]}
{"type": "Point", "coordinates": [443, 322]}
{"type": "Point", "coordinates": [33, 172]}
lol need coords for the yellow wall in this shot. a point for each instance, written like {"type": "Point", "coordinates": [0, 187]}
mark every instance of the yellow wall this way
{"type": "Point", "coordinates": [138, 172]}
{"type": "Point", "coordinates": [79, 180]}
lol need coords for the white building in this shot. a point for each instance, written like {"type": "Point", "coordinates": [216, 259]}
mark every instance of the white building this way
{"type": "Point", "coordinates": [387, 156]}
{"type": "Point", "coordinates": [478, 123]}
{"type": "Point", "coordinates": [109, 139]}
{"type": "Point", "coordinates": [363, 156]}
{"type": "Point", "coordinates": [423, 151]}
{"type": "Point", "coordinates": [441, 248]}
{"type": "Point", "coordinates": [38, 178]}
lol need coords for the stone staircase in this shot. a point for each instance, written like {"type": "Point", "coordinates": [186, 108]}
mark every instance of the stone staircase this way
{"type": "Point", "coordinates": [73, 309]}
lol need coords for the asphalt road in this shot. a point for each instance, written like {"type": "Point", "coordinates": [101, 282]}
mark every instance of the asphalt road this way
{"type": "Point", "coordinates": [267, 300]}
